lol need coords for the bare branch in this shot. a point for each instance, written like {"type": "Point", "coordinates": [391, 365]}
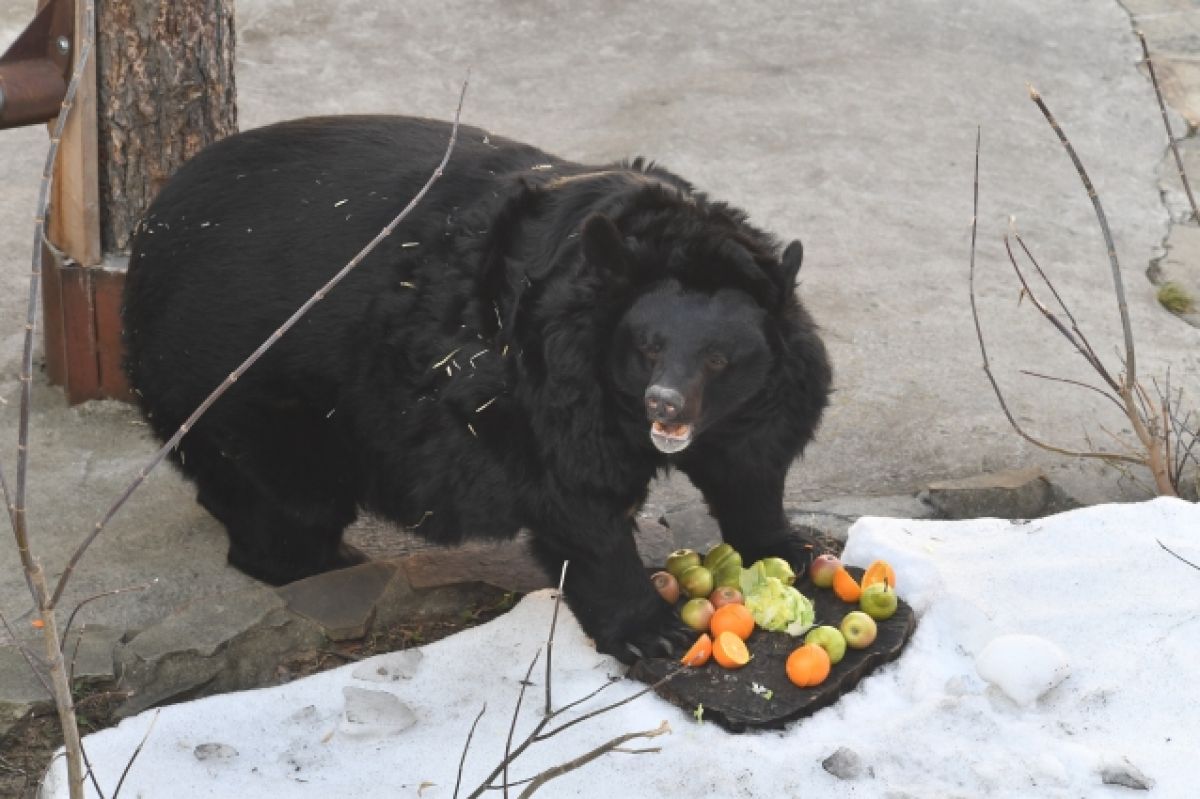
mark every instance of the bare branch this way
{"type": "Point", "coordinates": [1176, 554]}
{"type": "Point", "coordinates": [463, 758]}
{"type": "Point", "coordinates": [254, 356]}
{"type": "Point", "coordinates": [82, 602]}
{"type": "Point", "coordinates": [588, 757]}
{"type": "Point", "coordinates": [1078, 383]}
{"type": "Point", "coordinates": [1118, 284]}
{"type": "Point", "coordinates": [562, 579]}
{"type": "Point", "coordinates": [1162, 107]}
{"type": "Point", "coordinates": [136, 752]}
{"type": "Point", "coordinates": [987, 368]}
{"type": "Point", "coordinates": [517, 710]}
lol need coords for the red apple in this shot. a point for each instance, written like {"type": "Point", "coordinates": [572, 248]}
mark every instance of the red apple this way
{"type": "Point", "coordinates": [822, 570]}
{"type": "Point", "coordinates": [725, 595]}
{"type": "Point", "coordinates": [667, 586]}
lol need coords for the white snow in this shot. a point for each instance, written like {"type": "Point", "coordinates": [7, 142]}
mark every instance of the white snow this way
{"type": "Point", "coordinates": [1093, 584]}
{"type": "Point", "coordinates": [1024, 667]}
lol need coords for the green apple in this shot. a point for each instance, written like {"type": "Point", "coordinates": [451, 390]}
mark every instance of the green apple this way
{"type": "Point", "coordinates": [697, 581]}
{"type": "Point", "coordinates": [681, 560]}
{"type": "Point", "coordinates": [830, 639]}
{"type": "Point", "coordinates": [778, 567]}
{"type": "Point", "coordinates": [879, 601]}
{"type": "Point", "coordinates": [822, 570]}
{"type": "Point", "coordinates": [858, 629]}
{"type": "Point", "coordinates": [697, 613]}
{"type": "Point", "coordinates": [726, 565]}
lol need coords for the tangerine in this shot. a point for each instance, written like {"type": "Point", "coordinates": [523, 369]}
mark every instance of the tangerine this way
{"type": "Point", "coordinates": [808, 665]}
{"type": "Point", "coordinates": [737, 619]}
{"type": "Point", "coordinates": [730, 651]}
{"type": "Point", "coordinates": [878, 572]}
{"type": "Point", "coordinates": [700, 652]}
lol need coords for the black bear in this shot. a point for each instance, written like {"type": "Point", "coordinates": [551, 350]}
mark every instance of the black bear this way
{"type": "Point", "coordinates": [531, 345]}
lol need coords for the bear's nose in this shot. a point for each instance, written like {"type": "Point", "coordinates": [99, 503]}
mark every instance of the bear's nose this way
{"type": "Point", "coordinates": [663, 404]}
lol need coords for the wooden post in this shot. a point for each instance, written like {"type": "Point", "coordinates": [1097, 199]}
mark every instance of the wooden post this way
{"type": "Point", "coordinates": [159, 88]}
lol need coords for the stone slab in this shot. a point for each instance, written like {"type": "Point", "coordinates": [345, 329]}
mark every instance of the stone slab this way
{"type": "Point", "coordinates": [342, 602]}
{"type": "Point", "coordinates": [1009, 494]}
{"type": "Point", "coordinates": [20, 691]}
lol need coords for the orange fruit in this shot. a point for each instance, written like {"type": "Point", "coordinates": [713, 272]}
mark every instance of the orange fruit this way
{"type": "Point", "coordinates": [730, 651]}
{"type": "Point", "coordinates": [878, 572]}
{"type": "Point", "coordinates": [700, 652]}
{"type": "Point", "coordinates": [808, 665]}
{"type": "Point", "coordinates": [737, 619]}
{"type": "Point", "coordinates": [845, 586]}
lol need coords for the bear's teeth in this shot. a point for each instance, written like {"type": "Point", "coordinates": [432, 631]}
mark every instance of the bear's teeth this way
{"type": "Point", "coordinates": [670, 438]}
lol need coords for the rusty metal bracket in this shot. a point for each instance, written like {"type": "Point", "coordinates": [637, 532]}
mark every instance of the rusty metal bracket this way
{"type": "Point", "coordinates": [35, 68]}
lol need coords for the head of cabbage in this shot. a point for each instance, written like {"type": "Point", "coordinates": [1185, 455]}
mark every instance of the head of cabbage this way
{"type": "Point", "coordinates": [774, 605]}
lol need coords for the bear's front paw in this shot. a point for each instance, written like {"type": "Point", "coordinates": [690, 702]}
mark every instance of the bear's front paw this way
{"type": "Point", "coordinates": [794, 548]}
{"type": "Point", "coordinates": [654, 632]}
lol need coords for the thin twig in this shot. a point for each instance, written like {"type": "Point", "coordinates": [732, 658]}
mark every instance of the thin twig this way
{"type": "Point", "coordinates": [588, 757]}
{"type": "Point", "coordinates": [29, 656]}
{"type": "Point", "coordinates": [1176, 554]}
{"type": "Point", "coordinates": [516, 712]}
{"type": "Point", "coordinates": [136, 752]}
{"type": "Point", "coordinates": [541, 736]}
{"type": "Point", "coordinates": [987, 367]}
{"type": "Point", "coordinates": [1162, 107]}
{"type": "Point", "coordinates": [1092, 357]}
{"type": "Point", "coordinates": [562, 579]}
{"type": "Point", "coordinates": [250, 361]}
{"type": "Point", "coordinates": [462, 760]}
{"type": "Point", "coordinates": [1118, 283]}
{"type": "Point", "coordinates": [1078, 383]}
{"type": "Point", "coordinates": [82, 602]}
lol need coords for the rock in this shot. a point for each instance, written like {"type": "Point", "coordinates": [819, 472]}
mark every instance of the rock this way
{"type": "Point", "coordinates": [212, 645]}
{"type": "Point", "coordinates": [20, 691]}
{"type": "Point", "coordinates": [845, 764]}
{"type": "Point", "coordinates": [834, 517]}
{"type": "Point", "coordinates": [374, 713]}
{"type": "Point", "coordinates": [90, 653]}
{"type": "Point", "coordinates": [1010, 494]}
{"type": "Point", "coordinates": [1024, 667]}
{"type": "Point", "coordinates": [509, 565]}
{"type": "Point", "coordinates": [1126, 775]}
{"type": "Point", "coordinates": [654, 540]}
{"type": "Point", "coordinates": [342, 602]}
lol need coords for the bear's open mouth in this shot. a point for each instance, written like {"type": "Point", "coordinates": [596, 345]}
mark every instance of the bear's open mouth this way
{"type": "Point", "coordinates": [670, 438]}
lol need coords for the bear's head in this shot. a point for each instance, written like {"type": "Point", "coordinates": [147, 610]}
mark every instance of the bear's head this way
{"type": "Point", "coordinates": [705, 329]}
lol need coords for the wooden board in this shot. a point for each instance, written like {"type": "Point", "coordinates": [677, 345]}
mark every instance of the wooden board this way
{"type": "Point", "coordinates": [729, 698]}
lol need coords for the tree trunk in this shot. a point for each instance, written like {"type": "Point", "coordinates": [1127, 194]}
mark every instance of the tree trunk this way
{"type": "Point", "coordinates": [166, 90]}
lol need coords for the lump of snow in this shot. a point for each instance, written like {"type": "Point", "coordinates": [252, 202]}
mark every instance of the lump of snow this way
{"type": "Point", "coordinates": [391, 667]}
{"type": "Point", "coordinates": [374, 713]}
{"type": "Point", "coordinates": [214, 751]}
{"type": "Point", "coordinates": [845, 764]}
{"type": "Point", "coordinates": [1022, 666]}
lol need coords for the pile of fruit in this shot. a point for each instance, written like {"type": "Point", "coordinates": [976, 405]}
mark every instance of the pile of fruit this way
{"type": "Point", "coordinates": [725, 602]}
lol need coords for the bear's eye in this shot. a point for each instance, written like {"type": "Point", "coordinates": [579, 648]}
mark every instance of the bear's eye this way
{"type": "Point", "coordinates": [650, 350]}
{"type": "Point", "coordinates": [716, 361]}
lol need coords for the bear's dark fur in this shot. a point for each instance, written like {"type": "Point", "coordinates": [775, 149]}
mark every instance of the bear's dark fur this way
{"type": "Point", "coordinates": [532, 344]}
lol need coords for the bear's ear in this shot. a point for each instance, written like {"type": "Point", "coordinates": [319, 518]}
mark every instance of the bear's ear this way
{"type": "Point", "coordinates": [603, 247]}
{"type": "Point", "coordinates": [790, 261]}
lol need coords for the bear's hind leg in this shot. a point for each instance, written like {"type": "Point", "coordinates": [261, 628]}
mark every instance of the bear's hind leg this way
{"type": "Point", "coordinates": [277, 546]}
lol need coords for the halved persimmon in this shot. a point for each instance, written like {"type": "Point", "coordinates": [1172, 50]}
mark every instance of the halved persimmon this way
{"type": "Point", "coordinates": [845, 586]}
{"type": "Point", "coordinates": [730, 651]}
{"type": "Point", "coordinates": [737, 619]}
{"type": "Point", "coordinates": [878, 572]}
{"type": "Point", "coordinates": [700, 652]}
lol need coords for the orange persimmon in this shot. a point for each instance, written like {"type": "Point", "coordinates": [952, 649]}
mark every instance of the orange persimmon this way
{"type": "Point", "coordinates": [845, 586]}
{"type": "Point", "coordinates": [808, 665]}
{"type": "Point", "coordinates": [730, 651]}
{"type": "Point", "coordinates": [700, 652]}
{"type": "Point", "coordinates": [737, 619]}
{"type": "Point", "coordinates": [878, 572]}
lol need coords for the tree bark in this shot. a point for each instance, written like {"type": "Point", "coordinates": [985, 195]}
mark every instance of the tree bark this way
{"type": "Point", "coordinates": [166, 91]}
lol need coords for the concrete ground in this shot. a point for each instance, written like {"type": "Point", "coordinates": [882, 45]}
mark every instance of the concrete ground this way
{"type": "Point", "coordinates": [849, 125]}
